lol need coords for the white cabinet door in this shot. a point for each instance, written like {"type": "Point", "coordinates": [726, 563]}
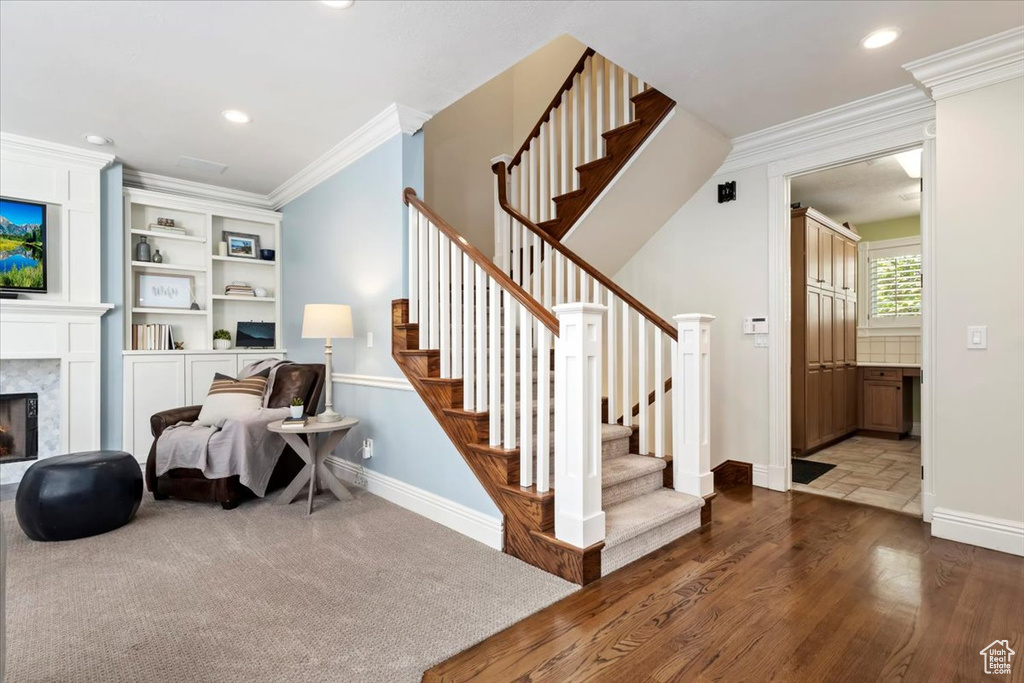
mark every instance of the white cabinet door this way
{"type": "Point", "coordinates": [152, 384]}
{"type": "Point", "coordinates": [199, 372]}
{"type": "Point", "coordinates": [253, 356]}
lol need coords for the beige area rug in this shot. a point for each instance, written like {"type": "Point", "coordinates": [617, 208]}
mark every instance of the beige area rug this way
{"type": "Point", "coordinates": [361, 591]}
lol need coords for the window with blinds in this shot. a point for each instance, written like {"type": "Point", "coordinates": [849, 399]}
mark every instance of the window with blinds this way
{"type": "Point", "coordinates": [894, 284]}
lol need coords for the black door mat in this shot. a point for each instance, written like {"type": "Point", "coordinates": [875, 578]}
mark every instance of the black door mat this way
{"type": "Point", "coordinates": [806, 471]}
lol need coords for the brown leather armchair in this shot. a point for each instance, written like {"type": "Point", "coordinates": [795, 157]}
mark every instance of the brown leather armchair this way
{"type": "Point", "coordinates": [306, 380]}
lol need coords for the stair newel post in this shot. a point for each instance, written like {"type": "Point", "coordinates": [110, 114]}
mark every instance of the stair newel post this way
{"type": "Point", "coordinates": [579, 519]}
{"type": "Point", "coordinates": [502, 248]}
{"type": "Point", "coordinates": [691, 417]}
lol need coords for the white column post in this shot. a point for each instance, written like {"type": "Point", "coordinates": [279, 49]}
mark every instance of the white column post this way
{"type": "Point", "coordinates": [579, 519]}
{"type": "Point", "coordinates": [691, 406]}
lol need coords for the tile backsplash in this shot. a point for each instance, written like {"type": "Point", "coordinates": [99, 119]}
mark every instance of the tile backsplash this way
{"type": "Point", "coordinates": [902, 349]}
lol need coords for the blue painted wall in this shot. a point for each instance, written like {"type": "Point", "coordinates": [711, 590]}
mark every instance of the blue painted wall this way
{"type": "Point", "coordinates": [344, 242]}
{"type": "Point", "coordinates": [112, 292]}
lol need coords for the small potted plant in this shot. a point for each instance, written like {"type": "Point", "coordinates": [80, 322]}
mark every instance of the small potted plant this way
{"type": "Point", "coordinates": [221, 340]}
{"type": "Point", "coordinates": [297, 407]}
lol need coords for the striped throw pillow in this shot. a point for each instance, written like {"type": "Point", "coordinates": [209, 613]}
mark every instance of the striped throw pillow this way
{"type": "Point", "coordinates": [230, 398]}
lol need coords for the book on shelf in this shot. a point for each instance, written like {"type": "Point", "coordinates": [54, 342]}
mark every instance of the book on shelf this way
{"type": "Point", "coordinates": [295, 422]}
{"type": "Point", "coordinates": [239, 290]}
{"type": "Point", "coordinates": [152, 337]}
{"type": "Point", "coordinates": [177, 230]}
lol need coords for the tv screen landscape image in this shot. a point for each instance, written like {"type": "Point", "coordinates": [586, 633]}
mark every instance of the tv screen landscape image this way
{"type": "Point", "coordinates": [22, 246]}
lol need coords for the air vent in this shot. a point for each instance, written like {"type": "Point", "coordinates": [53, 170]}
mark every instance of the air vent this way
{"type": "Point", "coordinates": [202, 165]}
{"type": "Point", "coordinates": [910, 196]}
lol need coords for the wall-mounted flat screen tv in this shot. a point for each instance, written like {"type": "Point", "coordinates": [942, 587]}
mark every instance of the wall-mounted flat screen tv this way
{"type": "Point", "coordinates": [22, 246]}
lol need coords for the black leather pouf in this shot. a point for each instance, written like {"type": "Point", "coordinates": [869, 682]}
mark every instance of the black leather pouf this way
{"type": "Point", "coordinates": [78, 495]}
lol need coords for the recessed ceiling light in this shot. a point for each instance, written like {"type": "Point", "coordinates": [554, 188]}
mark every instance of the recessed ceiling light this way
{"type": "Point", "coordinates": [880, 38]}
{"type": "Point", "coordinates": [235, 116]}
{"type": "Point", "coordinates": [98, 140]}
{"type": "Point", "coordinates": [339, 4]}
{"type": "Point", "coordinates": [910, 161]}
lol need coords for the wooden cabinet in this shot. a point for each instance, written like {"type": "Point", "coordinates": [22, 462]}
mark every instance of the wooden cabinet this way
{"type": "Point", "coordinates": [886, 401]}
{"type": "Point", "coordinates": [824, 330]}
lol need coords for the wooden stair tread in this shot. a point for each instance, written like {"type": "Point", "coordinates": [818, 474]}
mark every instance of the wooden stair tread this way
{"type": "Point", "coordinates": [623, 129]}
{"type": "Point", "coordinates": [649, 94]}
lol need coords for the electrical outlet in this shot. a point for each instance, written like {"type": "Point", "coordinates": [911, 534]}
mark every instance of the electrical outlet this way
{"type": "Point", "coordinates": [367, 449]}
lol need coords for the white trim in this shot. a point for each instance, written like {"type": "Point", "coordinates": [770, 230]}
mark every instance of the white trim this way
{"type": "Point", "coordinates": [37, 307]}
{"type": "Point", "coordinates": [929, 331]}
{"type": "Point", "coordinates": [478, 526]}
{"type": "Point", "coordinates": [196, 204]}
{"type": "Point", "coordinates": [849, 122]}
{"type": "Point", "coordinates": [916, 429]}
{"type": "Point", "coordinates": [187, 188]}
{"type": "Point", "coordinates": [1004, 535]}
{"type": "Point", "coordinates": [838, 227]}
{"type": "Point", "coordinates": [56, 151]}
{"type": "Point", "coordinates": [975, 65]}
{"type": "Point", "coordinates": [400, 383]}
{"type": "Point", "coordinates": [890, 331]}
{"type": "Point", "coordinates": [395, 119]}
{"type": "Point", "coordinates": [760, 473]}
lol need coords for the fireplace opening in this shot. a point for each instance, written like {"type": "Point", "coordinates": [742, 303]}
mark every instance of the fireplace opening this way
{"type": "Point", "coordinates": [19, 427]}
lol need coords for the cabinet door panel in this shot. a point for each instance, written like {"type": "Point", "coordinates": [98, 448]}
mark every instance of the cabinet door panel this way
{"type": "Point", "coordinates": [850, 267]}
{"type": "Point", "coordinates": [825, 322]}
{"type": "Point", "coordinates": [812, 235]}
{"type": "Point", "coordinates": [852, 398]}
{"type": "Point", "coordinates": [825, 277]}
{"type": "Point", "coordinates": [882, 409]}
{"type": "Point", "coordinates": [813, 330]}
{"type": "Point", "coordinates": [199, 372]}
{"type": "Point", "coordinates": [841, 400]}
{"type": "Point", "coordinates": [813, 410]}
{"type": "Point", "coordinates": [250, 357]}
{"type": "Point", "coordinates": [850, 330]}
{"type": "Point", "coordinates": [153, 383]}
{"type": "Point", "coordinates": [827, 410]}
{"type": "Point", "coordinates": [839, 331]}
{"type": "Point", "coordinates": [838, 265]}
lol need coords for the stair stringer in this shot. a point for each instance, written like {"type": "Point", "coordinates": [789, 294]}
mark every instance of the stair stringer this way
{"type": "Point", "coordinates": [528, 515]}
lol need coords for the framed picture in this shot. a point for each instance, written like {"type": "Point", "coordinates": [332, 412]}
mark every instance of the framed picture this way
{"type": "Point", "coordinates": [163, 291]}
{"type": "Point", "coordinates": [242, 245]}
{"type": "Point", "coordinates": [254, 335]}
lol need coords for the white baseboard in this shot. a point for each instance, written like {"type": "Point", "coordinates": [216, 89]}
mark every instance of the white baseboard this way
{"type": "Point", "coordinates": [478, 526]}
{"type": "Point", "coordinates": [987, 532]}
{"type": "Point", "coordinates": [927, 506]}
{"type": "Point", "coordinates": [761, 476]}
{"type": "Point", "coordinates": [916, 429]}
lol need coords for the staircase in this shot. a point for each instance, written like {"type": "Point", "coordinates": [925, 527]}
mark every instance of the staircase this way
{"type": "Point", "coordinates": [545, 374]}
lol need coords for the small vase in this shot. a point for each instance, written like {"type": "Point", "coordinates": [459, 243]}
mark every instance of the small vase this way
{"type": "Point", "coordinates": [158, 257]}
{"type": "Point", "coordinates": [142, 250]}
{"type": "Point", "coordinates": [297, 411]}
{"type": "Point", "coordinates": [222, 344]}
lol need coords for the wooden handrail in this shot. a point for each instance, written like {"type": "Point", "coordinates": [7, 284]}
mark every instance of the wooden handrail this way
{"type": "Point", "coordinates": [500, 171]}
{"type": "Point", "coordinates": [555, 101]}
{"type": "Point", "coordinates": [546, 317]}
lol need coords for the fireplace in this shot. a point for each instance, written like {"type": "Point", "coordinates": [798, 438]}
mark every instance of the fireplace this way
{"type": "Point", "coordinates": [19, 427]}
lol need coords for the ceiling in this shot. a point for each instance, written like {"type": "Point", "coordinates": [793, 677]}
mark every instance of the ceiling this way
{"type": "Point", "coordinates": [860, 193]}
{"type": "Point", "coordinates": [154, 76]}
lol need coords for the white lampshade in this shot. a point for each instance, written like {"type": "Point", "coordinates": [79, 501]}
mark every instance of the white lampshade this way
{"type": "Point", "coordinates": [327, 321]}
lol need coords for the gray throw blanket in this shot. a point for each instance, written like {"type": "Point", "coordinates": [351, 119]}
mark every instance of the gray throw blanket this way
{"type": "Point", "coordinates": [244, 446]}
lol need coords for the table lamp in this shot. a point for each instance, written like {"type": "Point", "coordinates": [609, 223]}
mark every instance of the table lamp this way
{"type": "Point", "coordinates": [327, 322]}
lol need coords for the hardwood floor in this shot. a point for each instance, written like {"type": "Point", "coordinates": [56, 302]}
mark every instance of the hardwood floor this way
{"type": "Point", "coordinates": [782, 587]}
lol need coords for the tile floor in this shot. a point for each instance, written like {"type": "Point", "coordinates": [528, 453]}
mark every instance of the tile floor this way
{"type": "Point", "coordinates": [875, 472]}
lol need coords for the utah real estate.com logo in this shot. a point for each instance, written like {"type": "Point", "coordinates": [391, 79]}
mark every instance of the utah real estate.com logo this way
{"type": "Point", "coordinates": [997, 657]}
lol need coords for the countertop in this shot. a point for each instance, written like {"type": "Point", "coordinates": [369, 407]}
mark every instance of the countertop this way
{"type": "Point", "coordinates": [870, 364]}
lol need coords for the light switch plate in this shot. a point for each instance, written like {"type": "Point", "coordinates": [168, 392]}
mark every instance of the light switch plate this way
{"type": "Point", "coordinates": [761, 341]}
{"type": "Point", "coordinates": [977, 336]}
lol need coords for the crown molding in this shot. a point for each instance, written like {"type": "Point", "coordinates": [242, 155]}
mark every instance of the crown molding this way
{"type": "Point", "coordinates": [193, 190]}
{"type": "Point", "coordinates": [907, 105]}
{"type": "Point", "coordinates": [975, 65]}
{"type": "Point", "coordinates": [54, 150]}
{"type": "Point", "coordinates": [395, 119]}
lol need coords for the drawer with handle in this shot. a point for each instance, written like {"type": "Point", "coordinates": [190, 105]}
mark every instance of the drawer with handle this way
{"type": "Point", "coordinates": [882, 373]}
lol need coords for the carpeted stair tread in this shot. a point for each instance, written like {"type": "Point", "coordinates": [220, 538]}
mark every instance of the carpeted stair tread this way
{"type": "Point", "coordinates": [636, 516]}
{"type": "Point", "coordinates": [624, 468]}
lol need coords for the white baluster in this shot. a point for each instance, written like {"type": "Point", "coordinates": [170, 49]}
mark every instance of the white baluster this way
{"type": "Point", "coordinates": [468, 348]}
{"type": "Point", "coordinates": [627, 370]}
{"type": "Point", "coordinates": [571, 273]}
{"type": "Point", "coordinates": [659, 396]}
{"type": "Point", "coordinates": [509, 371]}
{"type": "Point", "coordinates": [423, 256]}
{"type": "Point", "coordinates": [577, 127]}
{"type": "Point", "coordinates": [481, 340]}
{"type": "Point", "coordinates": [641, 382]}
{"type": "Point", "coordinates": [517, 253]}
{"type": "Point", "coordinates": [525, 237]}
{"type": "Point", "coordinates": [494, 362]}
{"type": "Point", "coordinates": [543, 198]}
{"type": "Point", "coordinates": [691, 419]}
{"type": "Point", "coordinates": [445, 319]}
{"type": "Point", "coordinates": [613, 102]}
{"type": "Point", "coordinates": [434, 330]}
{"type": "Point", "coordinates": [535, 257]}
{"type": "Point", "coordinates": [564, 132]}
{"type": "Point", "coordinates": [588, 124]}
{"type": "Point", "coordinates": [552, 161]}
{"type": "Point", "coordinates": [579, 519]}
{"type": "Point", "coordinates": [535, 165]}
{"type": "Point", "coordinates": [525, 397]}
{"type": "Point", "coordinates": [524, 186]}
{"type": "Point", "coordinates": [543, 407]}
{"type": "Point", "coordinates": [627, 105]}
{"type": "Point", "coordinates": [500, 234]}
{"type": "Point", "coordinates": [457, 295]}
{"type": "Point", "coordinates": [548, 286]}
{"type": "Point", "coordinates": [414, 261]}
{"type": "Point", "coordinates": [613, 367]}
{"type": "Point", "coordinates": [599, 108]}
{"type": "Point", "coordinates": [559, 278]}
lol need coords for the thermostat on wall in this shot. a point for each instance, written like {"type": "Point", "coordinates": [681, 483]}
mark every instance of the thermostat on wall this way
{"type": "Point", "coordinates": [753, 325]}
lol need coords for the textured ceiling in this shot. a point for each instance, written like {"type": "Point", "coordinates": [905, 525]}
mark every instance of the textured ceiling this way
{"type": "Point", "coordinates": [860, 193]}
{"type": "Point", "coordinates": [154, 76]}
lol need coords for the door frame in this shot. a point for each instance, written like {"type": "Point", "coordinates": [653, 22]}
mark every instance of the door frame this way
{"type": "Point", "coordinates": [883, 140]}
